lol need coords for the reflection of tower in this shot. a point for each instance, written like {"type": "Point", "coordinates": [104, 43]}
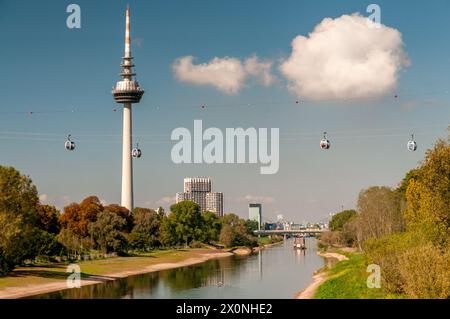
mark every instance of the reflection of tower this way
{"type": "Point", "coordinates": [216, 279]}
{"type": "Point", "coordinates": [260, 265]}
{"type": "Point", "coordinates": [127, 91]}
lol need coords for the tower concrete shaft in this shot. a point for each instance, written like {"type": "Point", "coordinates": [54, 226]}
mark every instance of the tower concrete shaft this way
{"type": "Point", "coordinates": [127, 91]}
{"type": "Point", "coordinates": [127, 163]}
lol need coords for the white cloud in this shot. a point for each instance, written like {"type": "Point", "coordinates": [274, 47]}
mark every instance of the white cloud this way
{"type": "Point", "coordinates": [166, 200]}
{"type": "Point", "coordinates": [225, 74]}
{"type": "Point", "coordinates": [259, 69]}
{"type": "Point", "coordinates": [58, 201]}
{"type": "Point", "coordinates": [257, 199]}
{"type": "Point", "coordinates": [345, 58]}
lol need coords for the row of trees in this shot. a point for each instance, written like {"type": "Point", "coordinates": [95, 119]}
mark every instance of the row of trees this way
{"type": "Point", "coordinates": [31, 229]}
{"type": "Point", "coordinates": [405, 230]}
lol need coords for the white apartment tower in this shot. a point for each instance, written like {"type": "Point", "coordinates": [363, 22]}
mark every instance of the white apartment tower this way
{"type": "Point", "coordinates": [198, 190]}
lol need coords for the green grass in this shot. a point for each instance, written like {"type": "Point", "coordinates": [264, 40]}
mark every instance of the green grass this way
{"type": "Point", "coordinates": [266, 240]}
{"type": "Point", "coordinates": [347, 280]}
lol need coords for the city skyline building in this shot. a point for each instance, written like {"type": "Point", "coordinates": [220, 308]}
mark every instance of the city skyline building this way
{"type": "Point", "coordinates": [214, 203]}
{"type": "Point", "coordinates": [127, 91]}
{"type": "Point", "coordinates": [198, 190]}
{"type": "Point", "coordinates": [255, 213]}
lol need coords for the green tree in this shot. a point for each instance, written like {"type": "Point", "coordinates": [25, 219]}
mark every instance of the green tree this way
{"type": "Point", "coordinates": [108, 232]}
{"type": "Point", "coordinates": [251, 225]}
{"type": "Point", "coordinates": [145, 234]}
{"type": "Point", "coordinates": [340, 219]}
{"type": "Point", "coordinates": [183, 225]}
{"type": "Point", "coordinates": [411, 175]}
{"type": "Point", "coordinates": [18, 218]}
{"type": "Point", "coordinates": [124, 213]}
{"type": "Point", "coordinates": [428, 195]}
{"type": "Point", "coordinates": [211, 227]}
{"type": "Point", "coordinates": [235, 232]}
{"type": "Point", "coordinates": [161, 212]}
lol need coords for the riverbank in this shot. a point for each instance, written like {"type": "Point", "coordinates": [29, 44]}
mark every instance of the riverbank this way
{"type": "Point", "coordinates": [35, 280]}
{"type": "Point", "coordinates": [247, 250]}
{"type": "Point", "coordinates": [345, 278]}
{"type": "Point", "coordinates": [319, 276]}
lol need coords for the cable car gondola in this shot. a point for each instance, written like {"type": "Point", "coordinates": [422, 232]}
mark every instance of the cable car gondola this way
{"type": "Point", "coordinates": [325, 143]}
{"type": "Point", "coordinates": [69, 145]}
{"type": "Point", "coordinates": [136, 152]}
{"type": "Point", "coordinates": [412, 145]}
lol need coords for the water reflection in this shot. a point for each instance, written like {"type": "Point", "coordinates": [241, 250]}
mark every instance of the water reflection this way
{"type": "Point", "coordinates": [276, 272]}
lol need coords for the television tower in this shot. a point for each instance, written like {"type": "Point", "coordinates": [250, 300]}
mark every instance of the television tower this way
{"type": "Point", "coordinates": [127, 91]}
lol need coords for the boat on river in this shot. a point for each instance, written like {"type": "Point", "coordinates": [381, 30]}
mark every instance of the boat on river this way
{"type": "Point", "coordinates": [299, 243]}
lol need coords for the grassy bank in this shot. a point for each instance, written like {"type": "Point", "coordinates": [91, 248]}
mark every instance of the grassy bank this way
{"type": "Point", "coordinates": [347, 279]}
{"type": "Point", "coordinates": [53, 275]}
{"type": "Point", "coordinates": [262, 241]}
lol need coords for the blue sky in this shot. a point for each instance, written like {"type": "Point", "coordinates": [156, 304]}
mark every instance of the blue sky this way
{"type": "Point", "coordinates": [48, 67]}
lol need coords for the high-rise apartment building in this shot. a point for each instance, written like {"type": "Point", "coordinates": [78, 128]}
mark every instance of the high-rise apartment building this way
{"type": "Point", "coordinates": [214, 203]}
{"type": "Point", "coordinates": [198, 190]}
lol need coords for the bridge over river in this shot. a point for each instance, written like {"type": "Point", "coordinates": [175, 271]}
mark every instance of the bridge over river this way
{"type": "Point", "coordinates": [283, 232]}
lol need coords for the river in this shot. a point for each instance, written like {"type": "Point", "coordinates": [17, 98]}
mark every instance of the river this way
{"type": "Point", "coordinates": [275, 272]}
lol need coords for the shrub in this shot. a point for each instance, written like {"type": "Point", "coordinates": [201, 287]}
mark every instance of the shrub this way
{"type": "Point", "coordinates": [425, 271]}
{"type": "Point", "coordinates": [196, 244]}
{"type": "Point", "coordinates": [386, 252]}
{"type": "Point", "coordinates": [330, 238]}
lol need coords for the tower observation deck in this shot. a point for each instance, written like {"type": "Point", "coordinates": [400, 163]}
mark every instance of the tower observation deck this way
{"type": "Point", "coordinates": [127, 90]}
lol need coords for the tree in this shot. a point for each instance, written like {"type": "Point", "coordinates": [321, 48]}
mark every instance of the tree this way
{"type": "Point", "coordinates": [145, 234]}
{"type": "Point", "coordinates": [48, 218]}
{"type": "Point", "coordinates": [227, 236]}
{"type": "Point", "coordinates": [47, 245]}
{"type": "Point", "coordinates": [184, 224]}
{"type": "Point", "coordinates": [18, 218]}
{"type": "Point", "coordinates": [231, 219]}
{"type": "Point", "coordinates": [251, 226]}
{"type": "Point", "coordinates": [161, 212]}
{"type": "Point", "coordinates": [380, 213]}
{"type": "Point", "coordinates": [124, 213]}
{"type": "Point", "coordinates": [428, 195]}
{"type": "Point", "coordinates": [243, 238]}
{"type": "Point", "coordinates": [411, 175]}
{"type": "Point", "coordinates": [340, 219]}
{"type": "Point", "coordinates": [235, 232]}
{"type": "Point", "coordinates": [74, 243]}
{"type": "Point", "coordinates": [416, 262]}
{"type": "Point", "coordinates": [211, 227]}
{"type": "Point", "coordinates": [108, 232]}
{"type": "Point", "coordinates": [78, 216]}
{"type": "Point", "coordinates": [18, 195]}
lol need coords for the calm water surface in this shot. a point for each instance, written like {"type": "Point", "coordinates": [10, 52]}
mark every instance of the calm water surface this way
{"type": "Point", "coordinates": [276, 272]}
